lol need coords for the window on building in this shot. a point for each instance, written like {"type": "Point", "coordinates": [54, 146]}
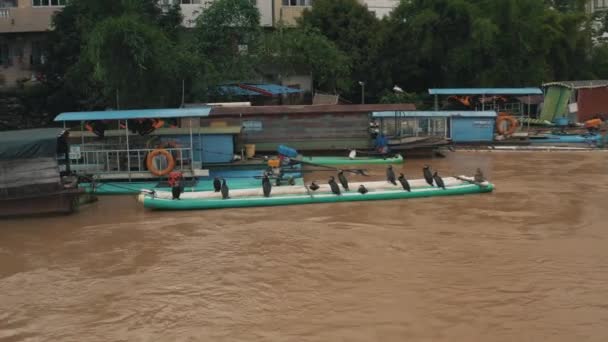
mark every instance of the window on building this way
{"type": "Point", "coordinates": [38, 54]}
{"type": "Point", "coordinates": [297, 2]}
{"type": "Point", "coordinates": [47, 3]}
{"type": "Point", "coordinates": [600, 4]}
{"type": "Point", "coordinates": [8, 3]}
{"type": "Point", "coordinates": [4, 55]}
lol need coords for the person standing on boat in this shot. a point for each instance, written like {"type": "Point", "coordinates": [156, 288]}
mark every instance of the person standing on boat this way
{"type": "Point", "coordinates": [381, 144]}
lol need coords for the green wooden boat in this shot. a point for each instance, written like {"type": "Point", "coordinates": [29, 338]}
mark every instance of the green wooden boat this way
{"type": "Point", "coordinates": [302, 195]}
{"type": "Point", "coordinates": [335, 160]}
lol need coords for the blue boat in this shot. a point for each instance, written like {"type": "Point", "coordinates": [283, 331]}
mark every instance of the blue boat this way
{"type": "Point", "coordinates": [590, 139]}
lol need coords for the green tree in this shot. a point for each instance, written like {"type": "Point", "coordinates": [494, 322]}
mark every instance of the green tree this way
{"type": "Point", "coordinates": [294, 51]}
{"type": "Point", "coordinates": [72, 74]}
{"type": "Point", "coordinates": [221, 44]}
{"type": "Point", "coordinates": [354, 29]}
{"type": "Point", "coordinates": [133, 58]}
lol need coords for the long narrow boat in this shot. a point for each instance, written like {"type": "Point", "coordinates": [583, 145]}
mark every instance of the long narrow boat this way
{"type": "Point", "coordinates": [292, 195]}
{"type": "Point", "coordinates": [335, 160]}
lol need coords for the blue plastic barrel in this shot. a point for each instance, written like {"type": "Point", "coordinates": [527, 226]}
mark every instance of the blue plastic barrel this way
{"type": "Point", "coordinates": [561, 121]}
{"type": "Point", "coordinates": [287, 151]}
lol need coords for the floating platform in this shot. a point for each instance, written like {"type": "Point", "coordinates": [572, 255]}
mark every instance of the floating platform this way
{"type": "Point", "coordinates": [298, 194]}
{"type": "Point", "coordinates": [335, 160]}
{"type": "Point", "coordinates": [237, 179]}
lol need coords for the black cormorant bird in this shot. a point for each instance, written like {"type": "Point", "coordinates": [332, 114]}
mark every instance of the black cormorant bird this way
{"type": "Point", "coordinates": [390, 175]}
{"type": "Point", "coordinates": [404, 183]}
{"type": "Point", "coordinates": [438, 180]}
{"type": "Point", "coordinates": [266, 186]}
{"type": "Point", "coordinates": [225, 190]}
{"type": "Point", "coordinates": [428, 175]}
{"type": "Point", "coordinates": [343, 180]}
{"type": "Point", "coordinates": [217, 184]}
{"type": "Point", "coordinates": [334, 186]}
{"type": "Point", "coordinates": [362, 189]}
{"type": "Point", "coordinates": [314, 186]}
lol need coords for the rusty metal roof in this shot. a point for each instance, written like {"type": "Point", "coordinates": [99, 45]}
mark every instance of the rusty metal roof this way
{"type": "Point", "coordinates": [310, 109]}
{"type": "Point", "coordinates": [579, 84]}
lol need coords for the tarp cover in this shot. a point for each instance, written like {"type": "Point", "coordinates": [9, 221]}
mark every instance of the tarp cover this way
{"type": "Point", "coordinates": [30, 143]}
{"type": "Point", "coordinates": [556, 103]}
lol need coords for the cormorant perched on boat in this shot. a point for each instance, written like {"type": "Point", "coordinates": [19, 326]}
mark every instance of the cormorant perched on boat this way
{"type": "Point", "coordinates": [362, 189]}
{"type": "Point", "coordinates": [224, 190]}
{"type": "Point", "coordinates": [334, 186]}
{"type": "Point", "coordinates": [266, 186]}
{"type": "Point", "coordinates": [479, 177]}
{"type": "Point", "coordinates": [217, 184]}
{"type": "Point", "coordinates": [428, 175]}
{"type": "Point", "coordinates": [343, 180]}
{"type": "Point", "coordinates": [314, 186]}
{"type": "Point", "coordinates": [291, 181]}
{"type": "Point", "coordinates": [390, 175]}
{"type": "Point", "coordinates": [404, 183]}
{"type": "Point", "coordinates": [438, 180]}
{"type": "Point", "coordinates": [176, 190]}
{"type": "Point", "coordinates": [278, 181]}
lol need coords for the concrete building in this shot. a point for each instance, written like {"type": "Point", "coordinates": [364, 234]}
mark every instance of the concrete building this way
{"type": "Point", "coordinates": [191, 9]}
{"type": "Point", "coordinates": [381, 8]}
{"type": "Point", "coordinates": [23, 26]}
{"type": "Point", "coordinates": [596, 6]}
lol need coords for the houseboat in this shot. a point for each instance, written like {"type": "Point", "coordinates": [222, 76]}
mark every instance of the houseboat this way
{"type": "Point", "coordinates": [35, 173]}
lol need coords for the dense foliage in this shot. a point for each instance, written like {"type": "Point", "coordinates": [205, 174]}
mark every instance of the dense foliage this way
{"type": "Point", "coordinates": [140, 52]}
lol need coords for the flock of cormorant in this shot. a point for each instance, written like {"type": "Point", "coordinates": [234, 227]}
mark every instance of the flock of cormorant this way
{"type": "Point", "coordinates": [432, 178]}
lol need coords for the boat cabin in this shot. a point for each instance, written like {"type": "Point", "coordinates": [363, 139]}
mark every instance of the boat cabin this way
{"type": "Point", "coordinates": [417, 126]}
{"type": "Point", "coordinates": [148, 143]}
{"type": "Point", "coordinates": [34, 173]}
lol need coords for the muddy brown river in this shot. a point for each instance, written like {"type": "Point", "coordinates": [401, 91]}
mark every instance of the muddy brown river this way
{"type": "Point", "coordinates": [526, 263]}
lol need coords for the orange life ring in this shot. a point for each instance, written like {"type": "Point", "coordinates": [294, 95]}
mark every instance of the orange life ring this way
{"type": "Point", "coordinates": [150, 162]}
{"type": "Point", "coordinates": [511, 126]}
{"type": "Point", "coordinates": [176, 153]}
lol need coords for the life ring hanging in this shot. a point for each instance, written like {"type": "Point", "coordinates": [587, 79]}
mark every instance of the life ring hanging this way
{"type": "Point", "coordinates": [511, 126]}
{"type": "Point", "coordinates": [150, 162]}
{"type": "Point", "coordinates": [177, 153]}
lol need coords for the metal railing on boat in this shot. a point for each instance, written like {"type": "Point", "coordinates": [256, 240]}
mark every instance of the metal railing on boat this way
{"type": "Point", "coordinates": [126, 164]}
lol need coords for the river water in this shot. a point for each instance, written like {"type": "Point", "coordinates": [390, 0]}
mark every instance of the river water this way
{"type": "Point", "coordinates": [526, 263]}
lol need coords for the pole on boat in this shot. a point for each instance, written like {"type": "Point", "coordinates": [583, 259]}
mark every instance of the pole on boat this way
{"type": "Point", "coordinates": [128, 152]}
{"type": "Point", "coordinates": [82, 140]}
{"type": "Point", "coordinates": [191, 148]}
{"type": "Point", "coordinates": [528, 113]}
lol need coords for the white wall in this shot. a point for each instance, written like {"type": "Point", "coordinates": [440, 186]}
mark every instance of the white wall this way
{"type": "Point", "coordinates": [380, 7]}
{"type": "Point", "coordinates": [192, 11]}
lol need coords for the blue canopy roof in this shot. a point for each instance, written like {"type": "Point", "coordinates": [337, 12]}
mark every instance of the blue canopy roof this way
{"type": "Point", "coordinates": [135, 114]}
{"type": "Point", "coordinates": [435, 113]}
{"type": "Point", "coordinates": [485, 91]}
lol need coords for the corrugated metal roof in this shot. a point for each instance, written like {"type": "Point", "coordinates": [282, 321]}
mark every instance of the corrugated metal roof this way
{"type": "Point", "coordinates": [254, 89]}
{"type": "Point", "coordinates": [438, 114]}
{"type": "Point", "coordinates": [579, 84]}
{"type": "Point", "coordinates": [135, 114]}
{"type": "Point", "coordinates": [485, 91]}
{"type": "Point", "coordinates": [310, 109]}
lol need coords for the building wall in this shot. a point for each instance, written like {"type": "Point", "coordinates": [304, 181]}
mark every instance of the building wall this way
{"type": "Point", "coordinates": [302, 131]}
{"type": "Point", "coordinates": [597, 5]}
{"type": "Point", "coordinates": [21, 53]}
{"type": "Point", "coordinates": [380, 8]}
{"type": "Point", "coordinates": [287, 12]}
{"type": "Point", "coordinates": [22, 34]}
{"type": "Point", "coordinates": [192, 11]}
{"type": "Point", "coordinates": [472, 129]}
